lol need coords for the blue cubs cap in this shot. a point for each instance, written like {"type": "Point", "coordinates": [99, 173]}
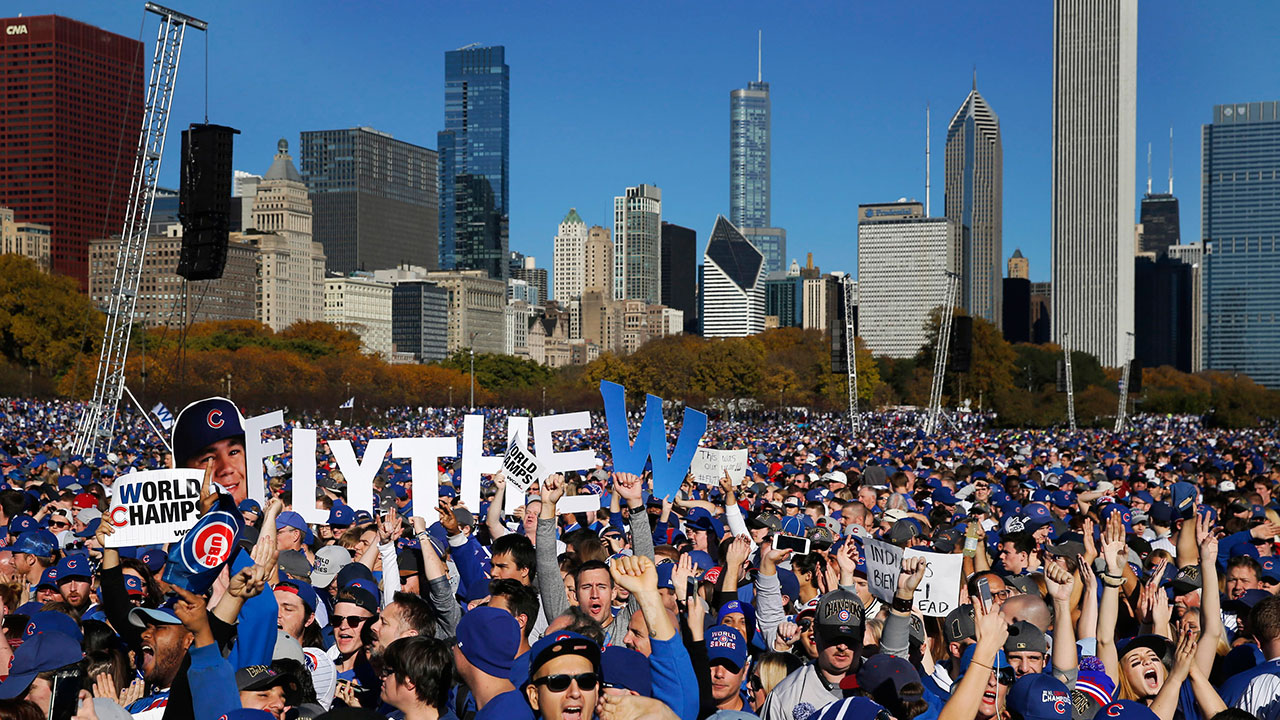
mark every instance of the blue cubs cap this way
{"type": "Point", "coordinates": [1271, 569]}
{"type": "Point", "coordinates": [203, 423]}
{"type": "Point", "coordinates": [40, 543]}
{"type": "Point", "coordinates": [74, 566]}
{"type": "Point", "coordinates": [250, 505]}
{"type": "Point", "coordinates": [1183, 499]}
{"type": "Point", "coordinates": [291, 519]}
{"type": "Point", "coordinates": [1163, 513]}
{"type": "Point", "coordinates": [341, 515]}
{"type": "Point", "coordinates": [43, 652]}
{"type": "Point", "coordinates": [52, 621]}
{"type": "Point", "coordinates": [1126, 515]}
{"type": "Point", "coordinates": [1063, 499]}
{"type": "Point", "coordinates": [625, 668]}
{"type": "Point", "coordinates": [1125, 710]}
{"type": "Point", "coordinates": [48, 579]}
{"type": "Point", "coordinates": [363, 517]}
{"type": "Point", "coordinates": [303, 590]}
{"type": "Point", "coordinates": [791, 586]}
{"type": "Point", "coordinates": [154, 559]}
{"type": "Point", "coordinates": [1001, 662]}
{"type": "Point", "coordinates": [23, 523]}
{"type": "Point", "coordinates": [1038, 515]}
{"type": "Point", "coordinates": [852, 707]}
{"type": "Point", "coordinates": [489, 639]}
{"type": "Point", "coordinates": [133, 585]}
{"type": "Point", "coordinates": [725, 644]}
{"type": "Point", "coordinates": [90, 529]}
{"type": "Point", "coordinates": [554, 645]}
{"type": "Point", "coordinates": [701, 559]}
{"type": "Point", "coordinates": [944, 496]}
{"type": "Point", "coordinates": [664, 576]}
{"type": "Point", "coordinates": [446, 491]}
{"type": "Point", "coordinates": [1144, 496]}
{"type": "Point", "coordinates": [1039, 696]}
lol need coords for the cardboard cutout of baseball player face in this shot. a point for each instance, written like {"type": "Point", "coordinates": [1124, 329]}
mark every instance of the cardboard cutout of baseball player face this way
{"type": "Point", "coordinates": [212, 431]}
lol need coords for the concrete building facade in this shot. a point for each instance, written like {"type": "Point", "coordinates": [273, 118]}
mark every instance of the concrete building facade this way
{"type": "Point", "coordinates": [637, 244]}
{"type": "Point", "coordinates": [31, 240]}
{"type": "Point", "coordinates": [362, 305]}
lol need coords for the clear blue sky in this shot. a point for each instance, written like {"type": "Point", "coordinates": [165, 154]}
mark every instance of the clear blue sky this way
{"type": "Point", "coordinates": [607, 94]}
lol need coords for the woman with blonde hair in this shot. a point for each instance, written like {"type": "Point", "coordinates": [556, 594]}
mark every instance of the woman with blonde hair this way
{"type": "Point", "coordinates": [768, 672]}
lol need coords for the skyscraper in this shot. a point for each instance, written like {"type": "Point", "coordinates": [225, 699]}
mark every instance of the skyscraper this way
{"type": "Point", "coordinates": [750, 170]}
{"type": "Point", "coordinates": [73, 101]}
{"type": "Point", "coordinates": [903, 261]}
{"type": "Point", "coordinates": [374, 199]}
{"type": "Point", "coordinates": [733, 291]}
{"type": "Point", "coordinates": [1019, 265]}
{"type": "Point", "coordinates": [475, 144]}
{"type": "Point", "coordinates": [974, 192]}
{"type": "Point", "coordinates": [680, 272]}
{"type": "Point", "coordinates": [772, 243]}
{"type": "Point", "coordinates": [597, 262]}
{"type": "Point", "coordinates": [567, 257]}
{"type": "Point", "coordinates": [1094, 111]}
{"type": "Point", "coordinates": [1240, 216]}
{"type": "Point", "coordinates": [290, 264]}
{"type": "Point", "coordinates": [637, 244]}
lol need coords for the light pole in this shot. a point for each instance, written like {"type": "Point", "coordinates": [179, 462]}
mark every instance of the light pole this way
{"type": "Point", "coordinates": [544, 400]}
{"type": "Point", "coordinates": [228, 379]}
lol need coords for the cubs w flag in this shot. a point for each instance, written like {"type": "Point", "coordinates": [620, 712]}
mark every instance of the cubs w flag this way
{"type": "Point", "coordinates": [348, 404]}
{"type": "Point", "coordinates": [163, 415]}
{"type": "Point", "coordinates": [195, 562]}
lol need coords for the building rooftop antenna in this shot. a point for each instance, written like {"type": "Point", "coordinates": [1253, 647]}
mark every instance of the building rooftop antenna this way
{"type": "Point", "coordinates": [927, 176]}
{"type": "Point", "coordinates": [760, 56]}
{"type": "Point", "coordinates": [1170, 159]}
{"type": "Point", "coordinates": [1148, 169]}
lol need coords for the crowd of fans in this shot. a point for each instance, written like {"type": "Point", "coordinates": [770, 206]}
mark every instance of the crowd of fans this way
{"type": "Point", "coordinates": [1113, 575]}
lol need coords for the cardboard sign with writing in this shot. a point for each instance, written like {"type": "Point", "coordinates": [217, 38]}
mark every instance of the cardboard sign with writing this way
{"type": "Point", "coordinates": [154, 507]}
{"type": "Point", "coordinates": [884, 564]}
{"type": "Point", "coordinates": [710, 465]}
{"type": "Point", "coordinates": [939, 591]}
{"type": "Point", "coordinates": [520, 466]}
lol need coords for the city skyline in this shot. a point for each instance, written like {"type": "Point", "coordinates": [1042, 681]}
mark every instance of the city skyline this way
{"type": "Point", "coordinates": [831, 146]}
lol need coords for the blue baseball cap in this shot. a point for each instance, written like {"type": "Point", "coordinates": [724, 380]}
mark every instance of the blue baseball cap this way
{"type": "Point", "coordinates": [23, 523]}
{"type": "Point", "coordinates": [42, 652]}
{"type": "Point", "coordinates": [725, 644]}
{"type": "Point", "coordinates": [90, 529]}
{"type": "Point", "coordinates": [303, 590]}
{"type": "Point", "coordinates": [250, 505]}
{"type": "Point", "coordinates": [43, 621]}
{"type": "Point", "coordinates": [74, 566]}
{"type": "Point", "coordinates": [851, 707]}
{"type": "Point", "coordinates": [1063, 499]}
{"type": "Point", "coordinates": [628, 669]}
{"type": "Point", "coordinates": [133, 585]}
{"type": "Point", "coordinates": [489, 639]}
{"type": "Point", "coordinates": [291, 519]}
{"type": "Point", "coordinates": [1037, 515]}
{"type": "Point", "coordinates": [1270, 569]}
{"type": "Point", "coordinates": [1125, 710]}
{"type": "Point", "coordinates": [154, 559]}
{"type": "Point", "coordinates": [48, 579]}
{"type": "Point", "coordinates": [554, 645]}
{"type": "Point", "coordinates": [341, 515]}
{"type": "Point", "coordinates": [1039, 696]}
{"type": "Point", "coordinates": [163, 615]}
{"type": "Point", "coordinates": [1126, 515]}
{"type": "Point", "coordinates": [203, 423]}
{"type": "Point", "coordinates": [664, 576]}
{"type": "Point", "coordinates": [1183, 499]}
{"type": "Point", "coordinates": [944, 496]}
{"type": "Point", "coordinates": [1001, 662]}
{"type": "Point", "coordinates": [40, 543]}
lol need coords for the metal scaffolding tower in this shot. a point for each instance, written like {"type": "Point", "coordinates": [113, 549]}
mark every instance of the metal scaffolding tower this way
{"type": "Point", "coordinates": [1071, 387]}
{"type": "Point", "coordinates": [1122, 414]}
{"type": "Point", "coordinates": [851, 353]}
{"type": "Point", "coordinates": [940, 355]}
{"type": "Point", "coordinates": [97, 425]}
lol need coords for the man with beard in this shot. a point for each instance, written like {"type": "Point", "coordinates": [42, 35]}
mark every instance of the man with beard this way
{"type": "Point", "coordinates": [75, 582]}
{"type": "Point", "coordinates": [164, 645]}
{"type": "Point", "coordinates": [839, 625]}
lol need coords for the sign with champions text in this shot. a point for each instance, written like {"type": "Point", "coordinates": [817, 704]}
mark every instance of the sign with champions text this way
{"type": "Point", "coordinates": [154, 507]}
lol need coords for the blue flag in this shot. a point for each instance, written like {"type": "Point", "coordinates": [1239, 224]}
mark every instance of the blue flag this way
{"type": "Point", "coordinates": [196, 560]}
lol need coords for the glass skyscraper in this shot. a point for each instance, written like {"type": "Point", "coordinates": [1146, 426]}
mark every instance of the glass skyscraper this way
{"type": "Point", "coordinates": [749, 156]}
{"type": "Point", "coordinates": [1240, 213]}
{"type": "Point", "coordinates": [475, 147]}
{"type": "Point", "coordinates": [974, 192]}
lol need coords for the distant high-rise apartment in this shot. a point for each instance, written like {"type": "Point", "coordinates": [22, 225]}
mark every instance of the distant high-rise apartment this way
{"type": "Point", "coordinates": [362, 305]}
{"type": "Point", "coordinates": [597, 261]}
{"type": "Point", "coordinates": [772, 243]}
{"type": "Point", "coordinates": [733, 288]}
{"type": "Point", "coordinates": [73, 101]}
{"type": "Point", "coordinates": [420, 320]}
{"type": "Point", "coordinates": [1240, 217]}
{"type": "Point", "coordinates": [475, 144]}
{"type": "Point", "coordinates": [373, 199]}
{"type": "Point", "coordinates": [1019, 266]}
{"type": "Point", "coordinates": [680, 272]}
{"type": "Point", "coordinates": [637, 244]}
{"type": "Point", "coordinates": [903, 261]}
{"type": "Point", "coordinates": [974, 192]}
{"type": "Point", "coordinates": [477, 307]}
{"type": "Point", "coordinates": [525, 267]}
{"type": "Point", "coordinates": [24, 238]}
{"type": "Point", "coordinates": [1094, 111]}
{"type": "Point", "coordinates": [1164, 290]}
{"type": "Point", "coordinates": [567, 255]}
{"type": "Point", "coordinates": [784, 296]}
{"type": "Point", "coordinates": [749, 156]}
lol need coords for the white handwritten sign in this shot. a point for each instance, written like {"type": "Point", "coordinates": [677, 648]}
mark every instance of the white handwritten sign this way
{"type": "Point", "coordinates": [884, 564]}
{"type": "Point", "coordinates": [710, 465]}
{"type": "Point", "coordinates": [939, 592]}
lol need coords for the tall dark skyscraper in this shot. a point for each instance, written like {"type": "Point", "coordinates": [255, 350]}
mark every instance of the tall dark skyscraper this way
{"type": "Point", "coordinates": [72, 110]}
{"type": "Point", "coordinates": [1162, 298]}
{"type": "Point", "coordinates": [1240, 217]}
{"type": "Point", "coordinates": [680, 272]}
{"type": "Point", "coordinates": [373, 199]}
{"type": "Point", "coordinates": [974, 192]}
{"type": "Point", "coordinates": [1160, 225]}
{"type": "Point", "coordinates": [475, 144]}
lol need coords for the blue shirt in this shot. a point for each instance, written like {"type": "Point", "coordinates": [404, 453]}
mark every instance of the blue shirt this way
{"type": "Point", "coordinates": [510, 705]}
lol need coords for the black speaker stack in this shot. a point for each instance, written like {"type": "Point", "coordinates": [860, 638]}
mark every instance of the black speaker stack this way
{"type": "Point", "coordinates": [204, 200]}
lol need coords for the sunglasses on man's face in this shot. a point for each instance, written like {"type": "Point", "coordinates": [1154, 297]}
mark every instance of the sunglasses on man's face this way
{"type": "Point", "coordinates": [560, 683]}
{"type": "Point", "coordinates": [349, 620]}
{"type": "Point", "coordinates": [59, 524]}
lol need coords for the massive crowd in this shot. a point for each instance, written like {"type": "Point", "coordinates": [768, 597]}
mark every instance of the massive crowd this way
{"type": "Point", "coordinates": [1113, 575]}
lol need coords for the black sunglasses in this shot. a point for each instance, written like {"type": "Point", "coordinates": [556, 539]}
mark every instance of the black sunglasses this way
{"type": "Point", "coordinates": [1005, 676]}
{"type": "Point", "coordinates": [805, 624]}
{"type": "Point", "coordinates": [754, 682]}
{"type": "Point", "coordinates": [560, 683]}
{"type": "Point", "coordinates": [349, 620]}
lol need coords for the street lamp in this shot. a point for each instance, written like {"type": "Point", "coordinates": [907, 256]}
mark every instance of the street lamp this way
{"type": "Point", "coordinates": [228, 381]}
{"type": "Point", "coordinates": [471, 351]}
{"type": "Point", "coordinates": [544, 400]}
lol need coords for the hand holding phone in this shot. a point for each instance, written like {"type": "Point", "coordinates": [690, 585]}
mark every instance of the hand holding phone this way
{"type": "Point", "coordinates": [798, 545]}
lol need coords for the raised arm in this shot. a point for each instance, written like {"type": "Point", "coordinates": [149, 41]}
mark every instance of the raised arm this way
{"type": "Point", "coordinates": [1211, 603]}
{"type": "Point", "coordinates": [1065, 663]}
{"type": "Point", "coordinates": [497, 506]}
{"type": "Point", "coordinates": [554, 599]}
{"type": "Point", "coordinates": [966, 697]}
{"type": "Point", "coordinates": [1087, 626]}
{"type": "Point", "coordinates": [1109, 610]}
{"type": "Point", "coordinates": [439, 594]}
{"type": "Point", "coordinates": [630, 488]}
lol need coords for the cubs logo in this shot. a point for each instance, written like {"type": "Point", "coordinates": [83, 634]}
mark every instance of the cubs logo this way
{"type": "Point", "coordinates": [214, 419]}
{"type": "Point", "coordinates": [1114, 709]}
{"type": "Point", "coordinates": [1060, 707]}
{"type": "Point", "coordinates": [213, 543]}
{"type": "Point", "coordinates": [843, 615]}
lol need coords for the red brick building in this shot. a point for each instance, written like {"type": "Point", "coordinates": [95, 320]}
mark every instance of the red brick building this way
{"type": "Point", "coordinates": [71, 101]}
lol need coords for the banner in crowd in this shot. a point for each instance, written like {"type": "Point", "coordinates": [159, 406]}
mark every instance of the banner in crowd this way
{"type": "Point", "coordinates": [154, 507]}
{"type": "Point", "coordinates": [424, 455]}
{"type": "Point", "coordinates": [938, 593]}
{"type": "Point", "coordinates": [710, 465]}
{"type": "Point", "coordinates": [520, 466]}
